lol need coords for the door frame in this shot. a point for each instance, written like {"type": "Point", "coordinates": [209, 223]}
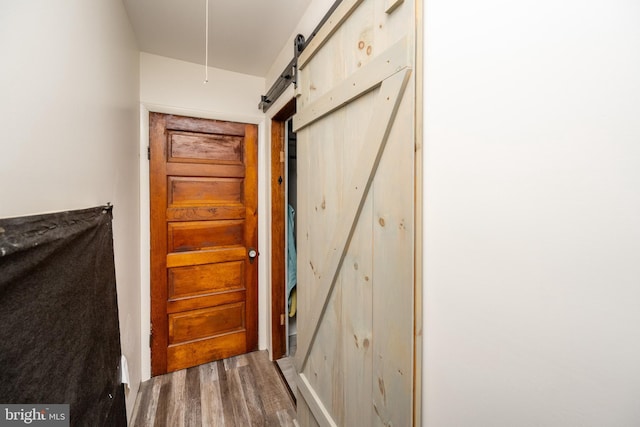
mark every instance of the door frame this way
{"type": "Point", "coordinates": [145, 212]}
{"type": "Point", "coordinates": [278, 229]}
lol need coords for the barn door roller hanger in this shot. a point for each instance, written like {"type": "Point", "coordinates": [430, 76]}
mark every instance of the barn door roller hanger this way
{"type": "Point", "coordinates": [290, 73]}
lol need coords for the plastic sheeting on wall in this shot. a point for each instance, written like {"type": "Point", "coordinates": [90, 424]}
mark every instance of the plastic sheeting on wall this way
{"type": "Point", "coordinates": [59, 332]}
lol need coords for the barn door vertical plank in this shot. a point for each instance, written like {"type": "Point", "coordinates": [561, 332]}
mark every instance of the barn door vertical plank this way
{"type": "Point", "coordinates": [337, 18]}
{"type": "Point", "coordinates": [391, 27]}
{"type": "Point", "coordinates": [304, 272]}
{"type": "Point", "coordinates": [357, 279]}
{"type": "Point", "coordinates": [357, 269]}
{"type": "Point", "coordinates": [393, 238]}
{"type": "Point", "coordinates": [393, 235]}
{"type": "Point", "coordinates": [357, 39]}
{"type": "Point", "coordinates": [393, 288]}
{"type": "Point", "coordinates": [334, 329]}
{"type": "Point", "coordinates": [327, 209]}
{"type": "Point", "coordinates": [316, 176]}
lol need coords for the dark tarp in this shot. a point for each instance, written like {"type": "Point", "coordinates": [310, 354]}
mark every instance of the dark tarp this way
{"type": "Point", "coordinates": [59, 333]}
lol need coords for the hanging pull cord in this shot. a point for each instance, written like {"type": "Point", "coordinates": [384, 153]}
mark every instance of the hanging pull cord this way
{"type": "Point", "coordinates": [206, 42]}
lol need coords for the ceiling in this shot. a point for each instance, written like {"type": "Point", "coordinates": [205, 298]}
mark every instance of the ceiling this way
{"type": "Point", "coordinates": [245, 36]}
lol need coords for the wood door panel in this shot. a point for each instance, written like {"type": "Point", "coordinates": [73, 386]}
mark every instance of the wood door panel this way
{"type": "Point", "coordinates": [207, 300]}
{"type": "Point", "coordinates": [204, 213]}
{"type": "Point", "coordinates": [192, 124]}
{"type": "Point", "coordinates": [181, 259]}
{"type": "Point", "coordinates": [205, 169]}
{"type": "Point", "coordinates": [204, 191]}
{"type": "Point", "coordinates": [204, 351]}
{"type": "Point", "coordinates": [194, 236]}
{"type": "Point", "coordinates": [205, 323]}
{"type": "Point", "coordinates": [207, 279]}
{"type": "Point", "coordinates": [203, 187]}
{"type": "Point", "coordinates": [218, 149]}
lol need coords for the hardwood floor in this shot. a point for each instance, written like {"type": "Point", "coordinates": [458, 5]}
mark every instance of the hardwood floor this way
{"type": "Point", "coordinates": [245, 390]}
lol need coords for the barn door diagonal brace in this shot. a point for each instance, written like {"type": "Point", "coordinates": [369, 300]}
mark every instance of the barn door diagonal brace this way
{"type": "Point", "coordinates": [385, 108]}
{"type": "Point", "coordinates": [369, 77]}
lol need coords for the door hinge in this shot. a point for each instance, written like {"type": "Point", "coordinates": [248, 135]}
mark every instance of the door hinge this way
{"type": "Point", "coordinates": [282, 157]}
{"type": "Point", "coordinates": [282, 320]}
{"type": "Point", "coordinates": [151, 336]}
{"type": "Point", "coordinates": [148, 152]}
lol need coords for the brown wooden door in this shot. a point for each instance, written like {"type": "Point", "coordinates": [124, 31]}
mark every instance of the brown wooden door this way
{"type": "Point", "coordinates": [203, 187]}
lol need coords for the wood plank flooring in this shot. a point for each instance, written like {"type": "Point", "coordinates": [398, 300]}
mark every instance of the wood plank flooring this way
{"type": "Point", "coordinates": [245, 390]}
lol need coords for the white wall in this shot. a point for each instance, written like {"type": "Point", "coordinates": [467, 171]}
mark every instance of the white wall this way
{"type": "Point", "coordinates": [69, 101]}
{"type": "Point", "coordinates": [532, 213]}
{"type": "Point", "coordinates": [177, 87]}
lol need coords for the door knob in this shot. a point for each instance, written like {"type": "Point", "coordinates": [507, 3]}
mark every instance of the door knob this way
{"type": "Point", "coordinates": [252, 254]}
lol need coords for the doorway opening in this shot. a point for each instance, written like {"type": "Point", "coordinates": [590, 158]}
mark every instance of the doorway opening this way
{"type": "Point", "coordinates": [283, 268]}
{"type": "Point", "coordinates": [291, 203]}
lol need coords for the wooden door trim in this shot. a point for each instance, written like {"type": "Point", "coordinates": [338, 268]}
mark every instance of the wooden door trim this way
{"type": "Point", "coordinates": [278, 230]}
{"type": "Point", "coordinates": [385, 107]}
{"type": "Point", "coordinates": [251, 234]}
{"type": "Point", "coordinates": [158, 244]}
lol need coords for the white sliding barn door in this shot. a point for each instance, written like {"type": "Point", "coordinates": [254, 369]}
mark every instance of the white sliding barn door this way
{"type": "Point", "coordinates": [356, 165]}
